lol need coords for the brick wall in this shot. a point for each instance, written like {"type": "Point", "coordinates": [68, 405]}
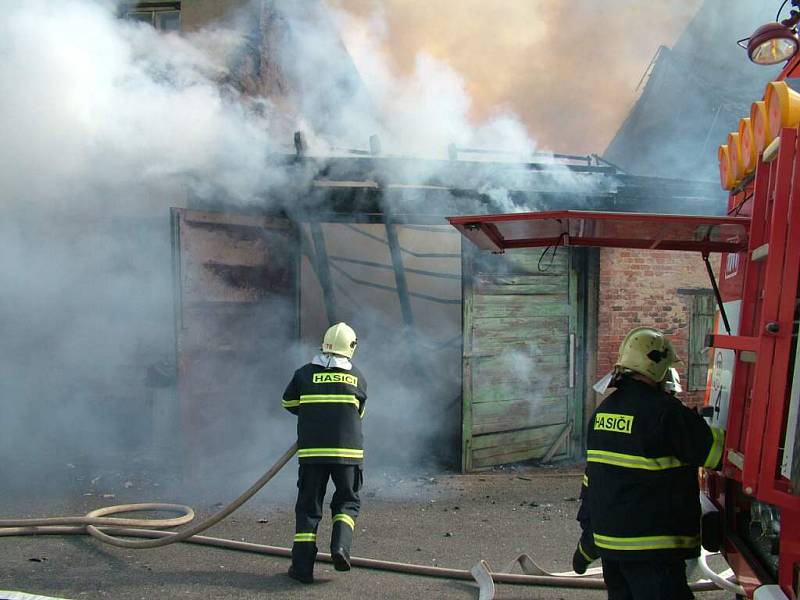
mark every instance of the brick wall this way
{"type": "Point", "coordinates": [640, 288]}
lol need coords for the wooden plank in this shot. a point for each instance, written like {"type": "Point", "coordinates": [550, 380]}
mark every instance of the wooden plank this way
{"type": "Point", "coordinates": [509, 438]}
{"type": "Point", "coordinates": [547, 282]}
{"type": "Point", "coordinates": [559, 443]}
{"type": "Point", "coordinates": [496, 417]}
{"type": "Point", "coordinates": [226, 220]}
{"type": "Point", "coordinates": [513, 300]}
{"type": "Point", "coordinates": [533, 375]}
{"type": "Point", "coordinates": [484, 411]}
{"type": "Point", "coordinates": [538, 292]}
{"type": "Point", "coordinates": [556, 321]}
{"type": "Point", "coordinates": [322, 268]}
{"type": "Point", "coordinates": [526, 277]}
{"type": "Point", "coordinates": [520, 345]}
{"type": "Point", "coordinates": [500, 448]}
{"type": "Point", "coordinates": [524, 262]}
{"type": "Point", "coordinates": [495, 336]}
{"type": "Point", "coordinates": [496, 361]}
{"type": "Point", "coordinates": [523, 306]}
{"type": "Point", "coordinates": [519, 302]}
{"type": "Point", "coordinates": [467, 252]}
{"type": "Point", "coordinates": [575, 405]}
{"type": "Point", "coordinates": [532, 453]}
{"type": "Point", "coordinates": [588, 302]}
{"type": "Point", "coordinates": [579, 297]}
{"type": "Point", "coordinates": [529, 344]}
{"type": "Point", "coordinates": [517, 391]}
{"type": "Point", "coordinates": [533, 341]}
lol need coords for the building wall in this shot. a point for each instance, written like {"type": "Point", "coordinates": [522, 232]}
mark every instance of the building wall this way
{"type": "Point", "coordinates": [647, 288]}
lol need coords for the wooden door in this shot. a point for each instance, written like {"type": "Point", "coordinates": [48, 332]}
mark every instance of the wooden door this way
{"type": "Point", "coordinates": [519, 371]}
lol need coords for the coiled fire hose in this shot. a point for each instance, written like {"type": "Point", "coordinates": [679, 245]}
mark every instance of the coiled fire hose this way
{"type": "Point", "coordinates": [112, 527]}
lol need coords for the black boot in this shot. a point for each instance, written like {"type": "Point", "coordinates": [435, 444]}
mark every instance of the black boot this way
{"type": "Point", "coordinates": [341, 540]}
{"type": "Point", "coordinates": [303, 556]}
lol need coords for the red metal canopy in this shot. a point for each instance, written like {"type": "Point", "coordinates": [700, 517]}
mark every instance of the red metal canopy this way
{"type": "Point", "coordinates": [604, 229]}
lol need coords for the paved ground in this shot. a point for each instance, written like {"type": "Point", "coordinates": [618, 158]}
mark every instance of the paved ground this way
{"type": "Point", "coordinates": [432, 519]}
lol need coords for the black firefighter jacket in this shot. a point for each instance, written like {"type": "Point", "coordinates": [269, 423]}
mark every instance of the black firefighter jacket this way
{"type": "Point", "coordinates": [329, 404]}
{"type": "Point", "coordinates": [640, 491]}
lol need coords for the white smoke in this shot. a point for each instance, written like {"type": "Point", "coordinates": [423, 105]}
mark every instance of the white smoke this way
{"type": "Point", "coordinates": [108, 114]}
{"type": "Point", "coordinates": [422, 113]}
{"type": "Point", "coordinates": [106, 124]}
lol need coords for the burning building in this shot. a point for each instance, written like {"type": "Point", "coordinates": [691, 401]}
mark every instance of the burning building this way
{"type": "Point", "coordinates": [275, 230]}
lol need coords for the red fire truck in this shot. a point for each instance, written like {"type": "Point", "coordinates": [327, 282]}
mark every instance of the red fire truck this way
{"type": "Point", "coordinates": [753, 387]}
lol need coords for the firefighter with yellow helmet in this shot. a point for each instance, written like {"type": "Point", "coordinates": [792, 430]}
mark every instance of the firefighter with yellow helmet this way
{"type": "Point", "coordinates": [640, 510]}
{"type": "Point", "coordinates": [329, 396]}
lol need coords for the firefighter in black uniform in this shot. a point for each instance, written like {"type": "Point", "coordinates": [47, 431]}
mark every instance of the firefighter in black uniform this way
{"type": "Point", "coordinates": [640, 509]}
{"type": "Point", "coordinates": [329, 396]}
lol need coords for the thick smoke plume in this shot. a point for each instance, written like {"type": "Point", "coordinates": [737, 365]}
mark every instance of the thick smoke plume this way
{"type": "Point", "coordinates": [107, 124]}
{"type": "Point", "coordinates": [569, 70]}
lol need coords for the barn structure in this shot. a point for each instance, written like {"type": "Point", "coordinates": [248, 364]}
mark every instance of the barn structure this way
{"type": "Point", "coordinates": [480, 359]}
{"type": "Point", "coordinates": [474, 359]}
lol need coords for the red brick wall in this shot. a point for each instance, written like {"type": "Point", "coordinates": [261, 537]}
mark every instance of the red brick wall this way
{"type": "Point", "coordinates": [640, 288]}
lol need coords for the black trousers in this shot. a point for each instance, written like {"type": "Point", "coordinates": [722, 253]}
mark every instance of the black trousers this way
{"type": "Point", "coordinates": [646, 580]}
{"type": "Point", "coordinates": [312, 483]}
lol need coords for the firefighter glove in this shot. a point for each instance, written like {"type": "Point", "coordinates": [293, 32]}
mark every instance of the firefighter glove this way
{"type": "Point", "coordinates": [581, 560]}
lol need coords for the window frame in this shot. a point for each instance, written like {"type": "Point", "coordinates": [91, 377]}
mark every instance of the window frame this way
{"type": "Point", "coordinates": [702, 309]}
{"type": "Point", "coordinates": [154, 10]}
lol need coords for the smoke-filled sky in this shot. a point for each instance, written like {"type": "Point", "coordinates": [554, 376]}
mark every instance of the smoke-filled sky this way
{"type": "Point", "coordinates": [568, 68]}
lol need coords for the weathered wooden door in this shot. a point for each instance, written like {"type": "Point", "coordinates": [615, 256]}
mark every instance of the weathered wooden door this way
{"type": "Point", "coordinates": [521, 398]}
{"type": "Point", "coordinates": [236, 317]}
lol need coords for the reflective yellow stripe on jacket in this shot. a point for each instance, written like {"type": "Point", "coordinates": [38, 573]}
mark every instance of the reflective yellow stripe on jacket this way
{"type": "Point", "coordinates": [329, 399]}
{"type": "Point", "coordinates": [652, 542]}
{"type": "Point", "coordinates": [290, 403]}
{"type": "Point", "coordinates": [631, 461]}
{"type": "Point", "coordinates": [715, 453]}
{"type": "Point", "coordinates": [330, 453]}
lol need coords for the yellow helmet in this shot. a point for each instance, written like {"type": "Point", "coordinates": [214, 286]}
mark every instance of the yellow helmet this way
{"type": "Point", "coordinates": [647, 351]}
{"type": "Point", "coordinates": [340, 339]}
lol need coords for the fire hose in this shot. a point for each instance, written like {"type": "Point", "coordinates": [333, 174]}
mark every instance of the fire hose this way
{"type": "Point", "coordinates": [113, 527]}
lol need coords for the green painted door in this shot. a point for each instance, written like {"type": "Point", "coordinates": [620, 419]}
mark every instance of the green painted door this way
{"type": "Point", "coordinates": [521, 398]}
